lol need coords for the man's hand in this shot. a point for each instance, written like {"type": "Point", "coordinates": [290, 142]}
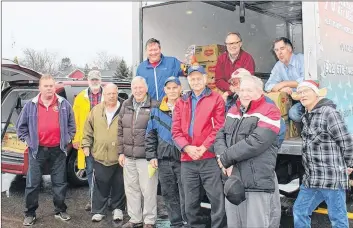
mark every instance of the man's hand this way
{"type": "Point", "coordinates": [192, 152]}
{"type": "Point", "coordinates": [287, 90]}
{"type": "Point", "coordinates": [122, 160]}
{"type": "Point", "coordinates": [229, 171]}
{"type": "Point", "coordinates": [349, 170]}
{"type": "Point", "coordinates": [86, 151]}
{"type": "Point", "coordinates": [201, 150]}
{"type": "Point", "coordinates": [225, 96]}
{"type": "Point", "coordinates": [154, 163]}
{"type": "Point", "coordinates": [76, 145]}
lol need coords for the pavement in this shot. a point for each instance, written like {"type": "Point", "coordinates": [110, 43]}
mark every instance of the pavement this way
{"type": "Point", "coordinates": [12, 207]}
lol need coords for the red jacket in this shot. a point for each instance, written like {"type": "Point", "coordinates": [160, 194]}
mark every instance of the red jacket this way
{"type": "Point", "coordinates": [209, 118]}
{"type": "Point", "coordinates": [225, 68]}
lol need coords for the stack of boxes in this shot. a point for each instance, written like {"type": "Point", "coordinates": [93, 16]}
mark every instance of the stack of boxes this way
{"type": "Point", "coordinates": [284, 103]}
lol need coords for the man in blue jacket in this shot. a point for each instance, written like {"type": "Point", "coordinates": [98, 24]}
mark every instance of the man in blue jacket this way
{"type": "Point", "coordinates": [157, 68]}
{"type": "Point", "coordinates": [47, 125]}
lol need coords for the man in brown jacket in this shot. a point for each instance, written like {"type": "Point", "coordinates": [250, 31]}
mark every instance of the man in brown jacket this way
{"type": "Point", "coordinates": [133, 119]}
{"type": "Point", "coordinates": [100, 133]}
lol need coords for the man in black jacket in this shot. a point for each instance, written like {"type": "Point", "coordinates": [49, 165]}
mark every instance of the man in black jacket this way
{"type": "Point", "coordinates": [248, 142]}
{"type": "Point", "coordinates": [164, 155]}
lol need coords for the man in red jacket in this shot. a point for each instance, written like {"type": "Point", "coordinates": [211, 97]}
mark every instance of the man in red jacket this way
{"type": "Point", "coordinates": [197, 117]}
{"type": "Point", "coordinates": [231, 60]}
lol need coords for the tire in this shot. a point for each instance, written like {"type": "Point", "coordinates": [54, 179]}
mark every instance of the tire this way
{"type": "Point", "coordinates": [75, 177]}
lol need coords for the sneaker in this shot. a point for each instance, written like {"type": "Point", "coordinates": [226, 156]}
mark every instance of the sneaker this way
{"type": "Point", "coordinates": [88, 207]}
{"type": "Point", "coordinates": [132, 225]}
{"type": "Point", "coordinates": [29, 220]}
{"type": "Point", "coordinates": [117, 214]}
{"type": "Point", "coordinates": [97, 217]}
{"type": "Point", "coordinates": [63, 216]}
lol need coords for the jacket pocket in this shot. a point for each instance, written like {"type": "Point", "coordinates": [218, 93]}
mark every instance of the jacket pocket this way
{"type": "Point", "coordinates": [253, 172]}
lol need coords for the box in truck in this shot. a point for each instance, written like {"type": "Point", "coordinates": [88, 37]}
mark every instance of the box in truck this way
{"type": "Point", "coordinates": [322, 31]}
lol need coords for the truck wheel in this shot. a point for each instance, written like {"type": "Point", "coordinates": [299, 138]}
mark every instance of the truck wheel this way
{"type": "Point", "coordinates": [75, 177]}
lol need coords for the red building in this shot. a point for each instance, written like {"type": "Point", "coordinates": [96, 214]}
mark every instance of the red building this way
{"type": "Point", "coordinates": [76, 74]}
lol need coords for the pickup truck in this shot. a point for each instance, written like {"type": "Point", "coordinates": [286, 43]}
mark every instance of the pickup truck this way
{"type": "Point", "coordinates": [20, 85]}
{"type": "Point", "coordinates": [321, 30]}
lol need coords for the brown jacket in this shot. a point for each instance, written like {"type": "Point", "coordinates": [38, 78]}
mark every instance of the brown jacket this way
{"type": "Point", "coordinates": [103, 139]}
{"type": "Point", "coordinates": [131, 132]}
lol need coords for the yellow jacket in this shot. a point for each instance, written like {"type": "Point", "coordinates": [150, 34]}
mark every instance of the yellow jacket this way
{"type": "Point", "coordinates": [81, 108]}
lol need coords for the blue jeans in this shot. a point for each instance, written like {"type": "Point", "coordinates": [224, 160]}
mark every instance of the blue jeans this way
{"type": "Point", "coordinates": [89, 171]}
{"type": "Point", "coordinates": [309, 198]}
{"type": "Point", "coordinates": [295, 112]}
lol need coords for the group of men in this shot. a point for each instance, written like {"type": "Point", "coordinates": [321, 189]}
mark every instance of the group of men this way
{"type": "Point", "coordinates": [199, 143]}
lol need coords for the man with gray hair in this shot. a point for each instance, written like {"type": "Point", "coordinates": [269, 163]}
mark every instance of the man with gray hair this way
{"type": "Point", "coordinates": [247, 142]}
{"type": "Point", "coordinates": [84, 102]}
{"type": "Point", "coordinates": [157, 68]}
{"type": "Point", "coordinates": [100, 138]}
{"type": "Point", "coordinates": [133, 119]}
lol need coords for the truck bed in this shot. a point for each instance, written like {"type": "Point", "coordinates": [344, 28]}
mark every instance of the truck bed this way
{"type": "Point", "coordinates": [291, 146]}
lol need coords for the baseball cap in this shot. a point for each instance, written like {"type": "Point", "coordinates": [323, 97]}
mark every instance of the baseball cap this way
{"type": "Point", "coordinates": [94, 74]}
{"type": "Point", "coordinates": [240, 72]}
{"type": "Point", "coordinates": [172, 79]}
{"type": "Point", "coordinates": [197, 68]}
{"type": "Point", "coordinates": [234, 190]}
{"type": "Point", "coordinates": [314, 85]}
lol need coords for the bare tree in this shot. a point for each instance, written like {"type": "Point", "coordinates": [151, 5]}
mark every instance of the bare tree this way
{"type": "Point", "coordinates": [106, 62]}
{"type": "Point", "coordinates": [40, 61]}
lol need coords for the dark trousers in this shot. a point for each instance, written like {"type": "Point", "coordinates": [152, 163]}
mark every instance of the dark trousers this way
{"type": "Point", "coordinates": [106, 180]}
{"type": "Point", "coordinates": [204, 173]}
{"type": "Point", "coordinates": [169, 174]}
{"type": "Point", "coordinates": [56, 160]}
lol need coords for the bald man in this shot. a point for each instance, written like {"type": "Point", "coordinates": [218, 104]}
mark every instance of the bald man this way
{"type": "Point", "coordinates": [101, 134]}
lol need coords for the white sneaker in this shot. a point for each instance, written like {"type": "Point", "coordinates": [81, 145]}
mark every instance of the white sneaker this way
{"type": "Point", "coordinates": [117, 214]}
{"type": "Point", "coordinates": [97, 217]}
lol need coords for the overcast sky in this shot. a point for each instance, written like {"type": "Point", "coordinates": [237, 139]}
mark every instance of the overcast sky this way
{"type": "Point", "coordinates": [77, 30]}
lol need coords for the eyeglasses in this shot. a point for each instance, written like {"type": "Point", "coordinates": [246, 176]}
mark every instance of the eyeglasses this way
{"type": "Point", "coordinates": [233, 44]}
{"type": "Point", "coordinates": [304, 92]}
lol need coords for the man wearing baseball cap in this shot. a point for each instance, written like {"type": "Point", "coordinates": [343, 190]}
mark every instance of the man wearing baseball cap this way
{"type": "Point", "coordinates": [197, 117]}
{"type": "Point", "coordinates": [162, 153]}
{"type": "Point", "coordinates": [83, 104]}
{"type": "Point", "coordinates": [327, 157]}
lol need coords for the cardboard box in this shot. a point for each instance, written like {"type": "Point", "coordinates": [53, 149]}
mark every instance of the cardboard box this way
{"type": "Point", "coordinates": [282, 101]}
{"type": "Point", "coordinates": [210, 68]}
{"type": "Point", "coordinates": [208, 52]}
{"type": "Point", "coordinates": [11, 141]}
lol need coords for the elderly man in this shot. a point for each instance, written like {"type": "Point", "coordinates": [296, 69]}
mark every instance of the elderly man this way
{"type": "Point", "coordinates": [157, 68]}
{"type": "Point", "coordinates": [83, 104]}
{"type": "Point", "coordinates": [231, 60]}
{"type": "Point", "coordinates": [248, 143]}
{"type": "Point", "coordinates": [327, 155]}
{"type": "Point", "coordinates": [133, 120]}
{"type": "Point", "coordinates": [100, 138]}
{"type": "Point", "coordinates": [164, 155]}
{"type": "Point", "coordinates": [197, 117]}
{"type": "Point", "coordinates": [47, 125]}
{"type": "Point", "coordinates": [287, 74]}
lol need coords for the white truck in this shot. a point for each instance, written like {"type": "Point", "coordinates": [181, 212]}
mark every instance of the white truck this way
{"type": "Point", "coordinates": [322, 31]}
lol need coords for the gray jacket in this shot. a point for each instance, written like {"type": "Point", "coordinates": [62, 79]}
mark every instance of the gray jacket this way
{"type": "Point", "coordinates": [132, 130]}
{"type": "Point", "coordinates": [248, 141]}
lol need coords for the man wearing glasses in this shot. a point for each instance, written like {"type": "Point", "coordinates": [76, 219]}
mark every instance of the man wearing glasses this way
{"type": "Point", "coordinates": [231, 60]}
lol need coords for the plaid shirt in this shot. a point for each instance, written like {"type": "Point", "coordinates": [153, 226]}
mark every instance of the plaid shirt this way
{"type": "Point", "coordinates": [94, 98]}
{"type": "Point", "coordinates": [327, 148]}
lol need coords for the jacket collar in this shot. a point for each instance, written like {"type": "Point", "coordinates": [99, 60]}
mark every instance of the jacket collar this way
{"type": "Point", "coordinates": [86, 91]}
{"type": "Point", "coordinates": [207, 92]}
{"type": "Point", "coordinates": [36, 98]}
{"type": "Point", "coordinates": [148, 103]}
{"type": "Point", "coordinates": [253, 104]}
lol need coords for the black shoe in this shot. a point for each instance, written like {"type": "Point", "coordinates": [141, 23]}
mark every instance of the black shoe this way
{"type": "Point", "coordinates": [29, 220]}
{"type": "Point", "coordinates": [63, 216]}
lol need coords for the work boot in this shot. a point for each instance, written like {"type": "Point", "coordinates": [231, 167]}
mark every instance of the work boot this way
{"type": "Point", "coordinates": [29, 220]}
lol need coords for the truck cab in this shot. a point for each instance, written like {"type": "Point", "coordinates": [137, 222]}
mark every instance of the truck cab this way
{"type": "Point", "coordinates": [322, 31]}
{"type": "Point", "coordinates": [19, 86]}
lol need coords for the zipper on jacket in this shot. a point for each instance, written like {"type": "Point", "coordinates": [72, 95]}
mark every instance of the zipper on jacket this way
{"type": "Point", "coordinates": [155, 81]}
